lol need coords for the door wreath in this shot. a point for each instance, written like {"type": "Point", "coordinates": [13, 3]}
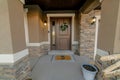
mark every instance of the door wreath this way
{"type": "Point", "coordinates": [64, 26]}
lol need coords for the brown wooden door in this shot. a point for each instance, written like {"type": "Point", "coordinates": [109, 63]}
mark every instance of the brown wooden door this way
{"type": "Point", "coordinates": [62, 36]}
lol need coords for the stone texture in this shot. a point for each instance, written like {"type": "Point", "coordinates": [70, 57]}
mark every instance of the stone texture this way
{"type": "Point", "coordinates": [102, 65]}
{"type": "Point", "coordinates": [87, 35]}
{"type": "Point", "coordinates": [17, 71]}
{"type": "Point", "coordinates": [35, 52]}
{"type": "Point", "coordinates": [22, 69]}
{"type": "Point", "coordinates": [75, 48]}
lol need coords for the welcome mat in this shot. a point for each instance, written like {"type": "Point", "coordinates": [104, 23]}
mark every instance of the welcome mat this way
{"type": "Point", "coordinates": [62, 57]}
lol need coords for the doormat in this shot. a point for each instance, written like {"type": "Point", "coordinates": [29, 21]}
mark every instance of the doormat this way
{"type": "Point", "coordinates": [62, 57]}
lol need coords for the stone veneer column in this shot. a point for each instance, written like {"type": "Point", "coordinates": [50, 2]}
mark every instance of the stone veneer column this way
{"type": "Point", "coordinates": [87, 35]}
{"type": "Point", "coordinates": [14, 64]}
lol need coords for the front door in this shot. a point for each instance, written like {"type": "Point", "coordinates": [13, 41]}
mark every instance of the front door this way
{"type": "Point", "coordinates": [60, 33]}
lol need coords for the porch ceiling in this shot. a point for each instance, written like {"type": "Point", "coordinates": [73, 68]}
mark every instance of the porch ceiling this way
{"type": "Point", "coordinates": [52, 5]}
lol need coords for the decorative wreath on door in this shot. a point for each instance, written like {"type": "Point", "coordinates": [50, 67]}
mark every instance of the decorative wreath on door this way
{"type": "Point", "coordinates": [64, 26]}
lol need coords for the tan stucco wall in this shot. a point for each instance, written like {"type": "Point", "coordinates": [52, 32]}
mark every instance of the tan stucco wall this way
{"type": "Point", "coordinates": [37, 31]}
{"type": "Point", "coordinates": [117, 33]}
{"type": "Point", "coordinates": [33, 25]}
{"type": "Point", "coordinates": [106, 34]}
{"type": "Point", "coordinates": [43, 29]}
{"type": "Point", "coordinates": [12, 37]}
{"type": "Point", "coordinates": [16, 15]}
{"type": "Point", "coordinates": [5, 34]}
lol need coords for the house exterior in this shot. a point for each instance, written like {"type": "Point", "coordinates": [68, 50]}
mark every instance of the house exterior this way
{"type": "Point", "coordinates": [24, 37]}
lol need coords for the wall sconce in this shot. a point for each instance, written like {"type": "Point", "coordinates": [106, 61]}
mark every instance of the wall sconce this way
{"type": "Point", "coordinates": [45, 23]}
{"type": "Point", "coordinates": [92, 20]}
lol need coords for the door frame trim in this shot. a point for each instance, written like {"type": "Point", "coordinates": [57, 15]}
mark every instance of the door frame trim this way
{"type": "Point", "coordinates": [72, 15]}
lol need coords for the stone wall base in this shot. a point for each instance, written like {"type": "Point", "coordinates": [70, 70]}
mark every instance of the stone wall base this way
{"type": "Point", "coordinates": [35, 52]}
{"type": "Point", "coordinates": [17, 71]}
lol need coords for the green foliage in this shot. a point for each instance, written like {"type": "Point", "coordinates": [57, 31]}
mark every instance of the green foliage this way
{"type": "Point", "coordinates": [63, 27]}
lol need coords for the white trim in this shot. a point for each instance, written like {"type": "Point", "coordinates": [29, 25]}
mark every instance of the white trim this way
{"type": "Point", "coordinates": [26, 26]}
{"type": "Point", "coordinates": [75, 42]}
{"type": "Point", "coordinates": [42, 43]}
{"type": "Point", "coordinates": [73, 23]}
{"type": "Point", "coordinates": [22, 1]}
{"type": "Point", "coordinates": [38, 44]}
{"type": "Point", "coordinates": [12, 58]}
{"type": "Point", "coordinates": [21, 54]}
{"type": "Point", "coordinates": [96, 35]}
{"type": "Point", "coordinates": [61, 15]}
{"type": "Point", "coordinates": [102, 52]}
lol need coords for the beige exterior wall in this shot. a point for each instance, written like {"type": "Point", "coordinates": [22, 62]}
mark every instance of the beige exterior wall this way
{"type": "Point", "coordinates": [117, 33]}
{"type": "Point", "coordinates": [16, 15]}
{"type": "Point", "coordinates": [11, 26]}
{"type": "Point", "coordinates": [33, 25]}
{"type": "Point", "coordinates": [43, 29]}
{"type": "Point", "coordinates": [109, 15]}
{"type": "Point", "coordinates": [5, 34]}
{"type": "Point", "coordinates": [37, 31]}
